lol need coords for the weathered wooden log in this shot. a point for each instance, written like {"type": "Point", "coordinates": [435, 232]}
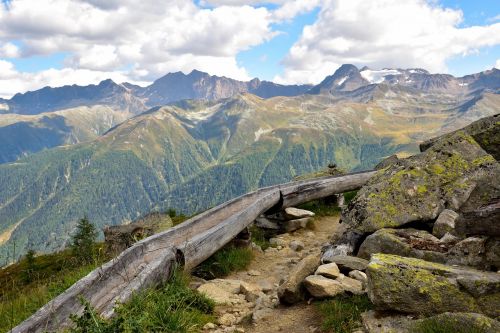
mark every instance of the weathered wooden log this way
{"type": "Point", "coordinates": [298, 193]}
{"type": "Point", "coordinates": [151, 260]}
{"type": "Point", "coordinates": [482, 221]}
{"type": "Point", "coordinates": [203, 245]}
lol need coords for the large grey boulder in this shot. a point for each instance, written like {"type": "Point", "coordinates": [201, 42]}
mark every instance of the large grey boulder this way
{"type": "Point", "coordinates": [479, 252]}
{"type": "Point", "coordinates": [346, 263]}
{"type": "Point", "coordinates": [410, 285]}
{"type": "Point", "coordinates": [291, 291]}
{"type": "Point", "coordinates": [377, 322]}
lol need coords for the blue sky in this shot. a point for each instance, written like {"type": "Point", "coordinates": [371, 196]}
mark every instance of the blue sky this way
{"type": "Point", "coordinates": [47, 42]}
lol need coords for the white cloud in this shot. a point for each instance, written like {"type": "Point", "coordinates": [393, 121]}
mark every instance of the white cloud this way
{"type": "Point", "coordinates": [390, 33]}
{"type": "Point", "coordinates": [149, 38]}
{"type": "Point", "coordinates": [497, 64]}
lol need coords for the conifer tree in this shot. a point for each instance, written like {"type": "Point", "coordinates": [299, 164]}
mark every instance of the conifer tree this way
{"type": "Point", "coordinates": [83, 240]}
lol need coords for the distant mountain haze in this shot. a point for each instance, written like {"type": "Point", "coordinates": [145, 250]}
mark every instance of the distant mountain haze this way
{"type": "Point", "coordinates": [192, 154]}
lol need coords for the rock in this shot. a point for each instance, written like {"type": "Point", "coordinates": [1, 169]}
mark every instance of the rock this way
{"type": "Point", "coordinates": [227, 319]}
{"type": "Point", "coordinates": [253, 272]}
{"type": "Point", "coordinates": [420, 244]}
{"type": "Point", "coordinates": [222, 291]}
{"type": "Point", "coordinates": [350, 285]}
{"type": "Point", "coordinates": [265, 285]}
{"type": "Point", "coordinates": [296, 245]}
{"type": "Point", "coordinates": [387, 162]}
{"type": "Point", "coordinates": [293, 225]}
{"type": "Point", "coordinates": [347, 263]}
{"type": "Point", "coordinates": [330, 270]}
{"type": "Point", "coordinates": [379, 322]}
{"type": "Point", "coordinates": [291, 291]}
{"type": "Point", "coordinates": [482, 220]}
{"type": "Point", "coordinates": [292, 213]}
{"type": "Point", "coordinates": [449, 238]}
{"type": "Point", "coordinates": [418, 188]}
{"type": "Point", "coordinates": [492, 249]}
{"type": "Point", "coordinates": [119, 237]}
{"type": "Point", "coordinates": [321, 287]}
{"type": "Point", "coordinates": [209, 326]}
{"type": "Point", "coordinates": [265, 223]}
{"type": "Point", "coordinates": [251, 291]}
{"type": "Point", "coordinates": [360, 276]}
{"type": "Point", "coordinates": [277, 242]}
{"type": "Point", "coordinates": [445, 223]}
{"type": "Point", "coordinates": [410, 285]}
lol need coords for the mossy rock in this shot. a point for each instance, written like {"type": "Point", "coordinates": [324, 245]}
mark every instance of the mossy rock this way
{"type": "Point", "coordinates": [420, 187]}
{"type": "Point", "coordinates": [416, 286]}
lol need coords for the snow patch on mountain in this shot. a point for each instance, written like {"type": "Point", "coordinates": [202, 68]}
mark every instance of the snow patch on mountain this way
{"type": "Point", "coordinates": [377, 76]}
{"type": "Point", "coordinates": [342, 80]}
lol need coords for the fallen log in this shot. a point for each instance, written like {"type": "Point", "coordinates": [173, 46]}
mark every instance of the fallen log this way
{"type": "Point", "coordinates": [152, 260]}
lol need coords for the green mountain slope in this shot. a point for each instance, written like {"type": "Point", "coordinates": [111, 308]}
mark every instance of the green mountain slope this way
{"type": "Point", "coordinates": [193, 155]}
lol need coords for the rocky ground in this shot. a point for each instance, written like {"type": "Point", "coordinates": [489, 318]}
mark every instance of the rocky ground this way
{"type": "Point", "coordinates": [255, 307]}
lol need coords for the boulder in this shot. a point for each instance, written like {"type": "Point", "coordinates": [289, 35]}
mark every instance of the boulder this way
{"type": "Point", "coordinates": [346, 263]}
{"type": "Point", "coordinates": [386, 162]}
{"type": "Point", "coordinates": [351, 285]}
{"type": "Point", "coordinates": [292, 213]}
{"type": "Point", "coordinates": [330, 270]}
{"type": "Point", "coordinates": [265, 223]}
{"type": "Point", "coordinates": [277, 242]}
{"type": "Point", "coordinates": [321, 287]}
{"type": "Point", "coordinates": [410, 285]}
{"type": "Point", "coordinates": [251, 291]}
{"type": "Point", "coordinates": [482, 220]}
{"type": "Point", "coordinates": [445, 223]}
{"type": "Point", "coordinates": [291, 290]}
{"type": "Point", "coordinates": [420, 244]}
{"type": "Point", "coordinates": [293, 225]}
{"type": "Point", "coordinates": [379, 322]}
{"type": "Point", "coordinates": [418, 188]}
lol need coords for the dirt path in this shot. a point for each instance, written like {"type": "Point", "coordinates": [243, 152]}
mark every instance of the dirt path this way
{"type": "Point", "coordinates": [272, 266]}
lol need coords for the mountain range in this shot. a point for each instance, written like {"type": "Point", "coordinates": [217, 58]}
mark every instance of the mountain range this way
{"type": "Point", "coordinates": [115, 162]}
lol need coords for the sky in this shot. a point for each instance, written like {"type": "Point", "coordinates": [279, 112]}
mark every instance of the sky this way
{"type": "Point", "coordinates": [59, 42]}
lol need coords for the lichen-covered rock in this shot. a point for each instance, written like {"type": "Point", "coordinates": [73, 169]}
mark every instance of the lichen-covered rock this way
{"type": "Point", "coordinates": [472, 251]}
{"type": "Point", "coordinates": [379, 322]}
{"type": "Point", "coordinates": [346, 263]}
{"type": "Point", "coordinates": [482, 220]}
{"type": "Point", "coordinates": [420, 187]}
{"type": "Point", "coordinates": [445, 223]}
{"type": "Point", "coordinates": [410, 285]}
{"type": "Point", "coordinates": [291, 291]}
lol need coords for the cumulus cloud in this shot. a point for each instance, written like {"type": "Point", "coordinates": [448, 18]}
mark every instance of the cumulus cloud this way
{"type": "Point", "coordinates": [389, 33]}
{"type": "Point", "coordinates": [497, 64]}
{"type": "Point", "coordinates": [148, 38]}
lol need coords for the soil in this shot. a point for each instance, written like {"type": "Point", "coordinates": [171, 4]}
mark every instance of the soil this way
{"type": "Point", "coordinates": [273, 266]}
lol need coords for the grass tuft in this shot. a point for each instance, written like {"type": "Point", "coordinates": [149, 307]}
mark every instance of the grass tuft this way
{"type": "Point", "coordinates": [173, 307]}
{"type": "Point", "coordinates": [432, 325]}
{"type": "Point", "coordinates": [320, 208]}
{"type": "Point", "coordinates": [259, 237]}
{"type": "Point", "coordinates": [342, 314]}
{"type": "Point", "coordinates": [224, 262]}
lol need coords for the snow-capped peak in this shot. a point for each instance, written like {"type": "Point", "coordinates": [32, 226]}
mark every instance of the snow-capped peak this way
{"type": "Point", "coordinates": [377, 76]}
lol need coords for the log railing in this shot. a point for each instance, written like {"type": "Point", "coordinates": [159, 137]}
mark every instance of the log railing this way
{"type": "Point", "coordinates": [152, 260]}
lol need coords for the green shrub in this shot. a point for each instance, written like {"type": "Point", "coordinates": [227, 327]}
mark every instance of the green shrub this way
{"type": "Point", "coordinates": [348, 196]}
{"type": "Point", "coordinates": [224, 262]}
{"type": "Point", "coordinates": [320, 208]}
{"type": "Point", "coordinates": [342, 314]}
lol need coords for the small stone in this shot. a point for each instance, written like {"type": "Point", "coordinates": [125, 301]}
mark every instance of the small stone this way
{"type": "Point", "coordinates": [279, 247]}
{"type": "Point", "coordinates": [251, 291]}
{"type": "Point", "coordinates": [265, 285]}
{"type": "Point", "coordinates": [292, 213]}
{"type": "Point", "coordinates": [228, 319]}
{"type": "Point", "coordinates": [296, 245]}
{"type": "Point", "coordinates": [360, 276]}
{"type": "Point", "coordinates": [277, 242]}
{"type": "Point", "coordinates": [240, 330]}
{"type": "Point", "coordinates": [330, 270]}
{"type": "Point", "coordinates": [253, 272]}
{"type": "Point", "coordinates": [209, 326]}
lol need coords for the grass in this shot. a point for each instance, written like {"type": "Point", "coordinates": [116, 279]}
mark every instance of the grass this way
{"type": "Point", "coordinates": [224, 262]}
{"type": "Point", "coordinates": [259, 237]}
{"type": "Point", "coordinates": [51, 274]}
{"type": "Point", "coordinates": [172, 307]}
{"type": "Point", "coordinates": [348, 196]}
{"type": "Point", "coordinates": [342, 314]}
{"type": "Point", "coordinates": [321, 208]}
{"type": "Point", "coordinates": [432, 325]}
